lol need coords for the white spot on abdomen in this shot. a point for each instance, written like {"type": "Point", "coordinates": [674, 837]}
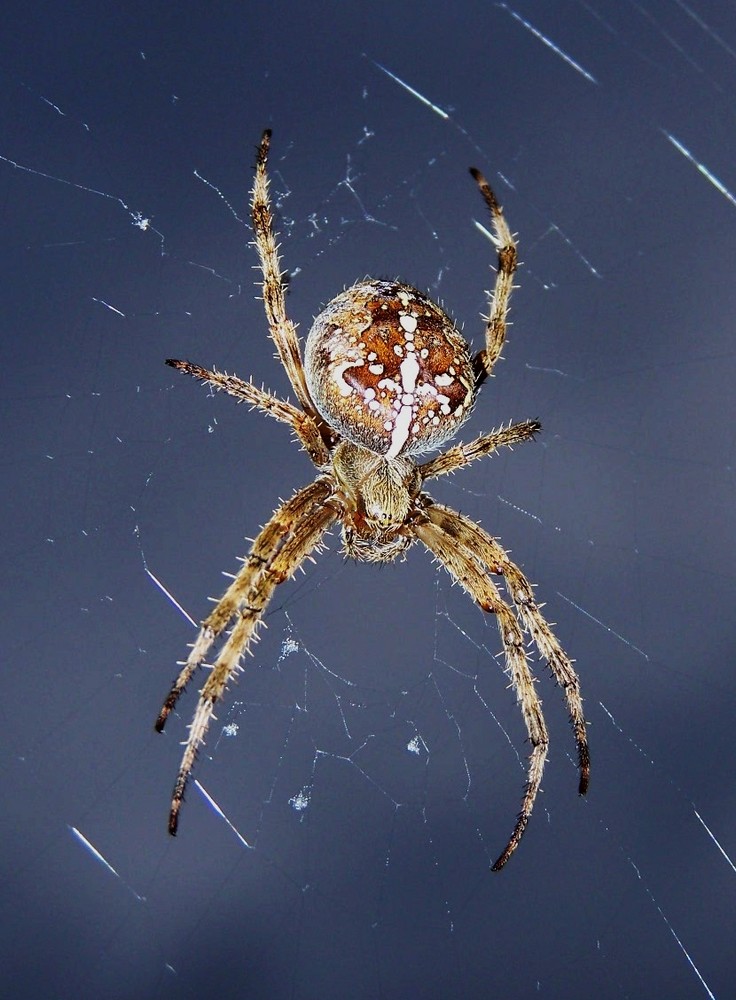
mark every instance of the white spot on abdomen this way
{"type": "Point", "coordinates": [400, 431]}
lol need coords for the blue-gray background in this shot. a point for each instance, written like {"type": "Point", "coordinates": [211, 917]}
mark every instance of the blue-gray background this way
{"type": "Point", "coordinates": [374, 701]}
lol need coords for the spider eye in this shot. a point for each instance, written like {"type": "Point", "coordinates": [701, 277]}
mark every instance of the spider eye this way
{"type": "Point", "coordinates": [388, 369]}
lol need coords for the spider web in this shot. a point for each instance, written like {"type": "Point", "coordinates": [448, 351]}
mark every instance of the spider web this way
{"type": "Point", "coordinates": [367, 767]}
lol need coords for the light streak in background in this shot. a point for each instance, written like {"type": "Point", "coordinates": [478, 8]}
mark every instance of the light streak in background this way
{"type": "Point", "coordinates": [103, 861]}
{"type": "Point", "coordinates": [712, 836]}
{"type": "Point", "coordinates": [170, 597]}
{"type": "Point", "coordinates": [211, 802]}
{"type": "Point", "coordinates": [108, 306]}
{"type": "Point", "coordinates": [608, 628]}
{"type": "Point", "coordinates": [672, 931]}
{"type": "Point", "coordinates": [706, 28]}
{"type": "Point", "coordinates": [415, 93]}
{"type": "Point", "coordinates": [549, 43]}
{"type": "Point", "coordinates": [718, 185]}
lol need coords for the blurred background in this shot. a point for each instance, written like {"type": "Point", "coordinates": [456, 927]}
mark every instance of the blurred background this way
{"type": "Point", "coordinates": [367, 767]}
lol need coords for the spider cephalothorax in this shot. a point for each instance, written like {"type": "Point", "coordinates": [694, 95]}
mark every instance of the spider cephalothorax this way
{"type": "Point", "coordinates": [375, 496]}
{"type": "Point", "coordinates": [386, 377]}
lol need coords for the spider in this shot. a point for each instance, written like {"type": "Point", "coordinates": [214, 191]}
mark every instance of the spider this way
{"type": "Point", "coordinates": [386, 377]}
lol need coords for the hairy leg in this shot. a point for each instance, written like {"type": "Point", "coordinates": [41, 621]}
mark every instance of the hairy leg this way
{"type": "Point", "coordinates": [465, 569]}
{"type": "Point", "coordinates": [283, 331]}
{"type": "Point", "coordinates": [499, 299]}
{"type": "Point", "coordinates": [294, 531]}
{"type": "Point", "coordinates": [300, 422]}
{"type": "Point", "coordinates": [492, 556]}
{"type": "Point", "coordinates": [462, 454]}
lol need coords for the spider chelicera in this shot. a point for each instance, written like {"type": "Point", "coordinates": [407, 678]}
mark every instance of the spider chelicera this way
{"type": "Point", "coordinates": [386, 377]}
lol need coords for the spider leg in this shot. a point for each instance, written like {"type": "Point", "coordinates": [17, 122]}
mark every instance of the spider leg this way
{"type": "Point", "coordinates": [283, 331]}
{"type": "Point", "coordinates": [300, 422]}
{"type": "Point", "coordinates": [463, 566]}
{"type": "Point", "coordinates": [492, 555]}
{"type": "Point", "coordinates": [263, 550]}
{"type": "Point", "coordinates": [499, 299]}
{"type": "Point", "coordinates": [462, 454]}
{"type": "Point", "coordinates": [293, 532]}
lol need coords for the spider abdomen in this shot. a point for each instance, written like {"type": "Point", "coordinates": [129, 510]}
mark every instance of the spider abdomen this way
{"type": "Point", "coordinates": [388, 369]}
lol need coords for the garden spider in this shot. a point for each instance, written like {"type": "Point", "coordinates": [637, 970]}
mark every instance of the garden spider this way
{"type": "Point", "coordinates": [386, 376]}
